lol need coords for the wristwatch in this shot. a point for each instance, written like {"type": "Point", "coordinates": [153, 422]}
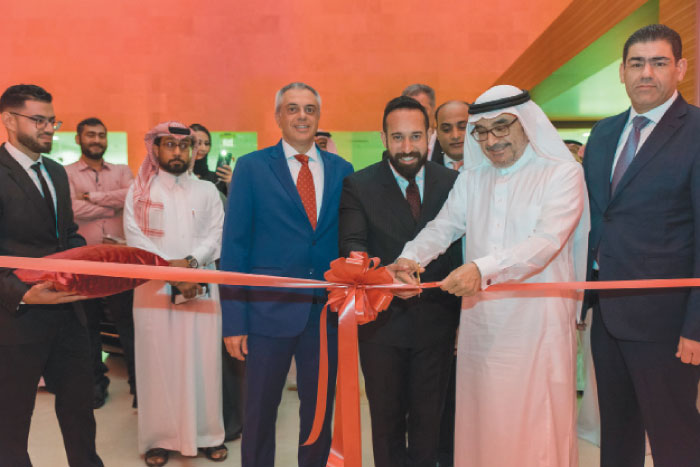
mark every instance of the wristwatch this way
{"type": "Point", "coordinates": [192, 261]}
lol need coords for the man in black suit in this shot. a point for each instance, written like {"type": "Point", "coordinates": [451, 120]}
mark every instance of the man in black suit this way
{"type": "Point", "coordinates": [41, 331]}
{"type": "Point", "coordinates": [643, 173]}
{"type": "Point", "coordinates": [407, 352]}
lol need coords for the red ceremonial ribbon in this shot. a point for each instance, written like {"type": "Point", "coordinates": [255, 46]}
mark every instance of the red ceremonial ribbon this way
{"type": "Point", "coordinates": [358, 291]}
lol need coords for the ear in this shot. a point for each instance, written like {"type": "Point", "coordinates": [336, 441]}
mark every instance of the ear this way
{"type": "Point", "coordinates": [622, 72]}
{"type": "Point", "coordinates": [77, 139]}
{"type": "Point", "coordinates": [156, 151]}
{"type": "Point", "coordinates": [682, 67]}
{"type": "Point", "coordinates": [278, 118]}
{"type": "Point", "coordinates": [8, 121]}
{"type": "Point", "coordinates": [384, 140]}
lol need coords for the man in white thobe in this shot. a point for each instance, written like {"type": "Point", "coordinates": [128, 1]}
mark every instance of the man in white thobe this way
{"type": "Point", "coordinates": [173, 214]}
{"type": "Point", "coordinates": [521, 204]}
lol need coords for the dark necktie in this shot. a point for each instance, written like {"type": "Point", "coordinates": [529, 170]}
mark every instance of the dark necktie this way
{"type": "Point", "coordinates": [413, 198]}
{"type": "Point", "coordinates": [628, 151]}
{"type": "Point", "coordinates": [307, 191]}
{"type": "Point", "coordinates": [45, 189]}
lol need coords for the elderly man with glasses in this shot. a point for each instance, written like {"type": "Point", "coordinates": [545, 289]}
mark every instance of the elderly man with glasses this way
{"type": "Point", "coordinates": [521, 204]}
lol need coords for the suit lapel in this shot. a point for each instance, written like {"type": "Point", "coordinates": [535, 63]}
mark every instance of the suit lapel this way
{"type": "Point", "coordinates": [667, 126]}
{"type": "Point", "coordinates": [610, 135]}
{"type": "Point", "coordinates": [280, 167]}
{"type": "Point", "coordinates": [428, 206]}
{"type": "Point", "coordinates": [394, 199]}
{"type": "Point", "coordinates": [60, 207]}
{"type": "Point", "coordinates": [329, 181]}
{"type": "Point", "coordinates": [17, 173]}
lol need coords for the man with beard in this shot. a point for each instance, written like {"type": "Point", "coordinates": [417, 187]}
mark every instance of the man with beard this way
{"type": "Point", "coordinates": [171, 213]}
{"type": "Point", "coordinates": [98, 189]}
{"type": "Point", "coordinates": [41, 333]}
{"type": "Point", "coordinates": [406, 354]}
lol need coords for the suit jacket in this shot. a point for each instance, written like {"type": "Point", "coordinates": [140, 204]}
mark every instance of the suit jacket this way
{"type": "Point", "coordinates": [650, 227]}
{"type": "Point", "coordinates": [375, 217]}
{"type": "Point", "coordinates": [267, 231]}
{"type": "Point", "coordinates": [438, 157]}
{"type": "Point", "coordinates": [27, 229]}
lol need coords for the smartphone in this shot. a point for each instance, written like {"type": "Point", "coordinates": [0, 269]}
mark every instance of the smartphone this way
{"type": "Point", "coordinates": [177, 298]}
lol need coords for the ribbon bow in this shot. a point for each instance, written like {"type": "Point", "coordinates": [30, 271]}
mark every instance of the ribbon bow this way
{"type": "Point", "coordinates": [356, 302]}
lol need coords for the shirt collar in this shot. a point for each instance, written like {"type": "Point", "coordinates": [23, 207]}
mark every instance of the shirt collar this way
{"type": "Point", "coordinates": [419, 176]}
{"type": "Point", "coordinates": [657, 112]}
{"type": "Point", "coordinates": [171, 180]}
{"type": "Point", "coordinates": [290, 152]}
{"type": "Point", "coordinates": [82, 165]}
{"type": "Point", "coordinates": [24, 160]}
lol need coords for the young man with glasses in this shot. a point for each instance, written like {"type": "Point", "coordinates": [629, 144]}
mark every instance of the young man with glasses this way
{"type": "Point", "coordinates": [170, 212]}
{"type": "Point", "coordinates": [41, 332]}
{"type": "Point", "coordinates": [521, 204]}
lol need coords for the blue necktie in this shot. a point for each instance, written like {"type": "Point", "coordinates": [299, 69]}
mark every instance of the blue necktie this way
{"type": "Point", "coordinates": [628, 151]}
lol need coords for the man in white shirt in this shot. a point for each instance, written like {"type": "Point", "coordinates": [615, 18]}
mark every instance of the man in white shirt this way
{"type": "Point", "coordinates": [521, 204]}
{"type": "Point", "coordinates": [171, 213]}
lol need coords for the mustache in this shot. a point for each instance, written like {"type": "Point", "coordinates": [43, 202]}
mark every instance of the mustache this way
{"type": "Point", "coordinates": [497, 147]}
{"type": "Point", "coordinates": [399, 155]}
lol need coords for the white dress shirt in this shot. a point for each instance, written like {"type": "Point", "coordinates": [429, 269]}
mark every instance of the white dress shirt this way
{"type": "Point", "coordinates": [315, 165]}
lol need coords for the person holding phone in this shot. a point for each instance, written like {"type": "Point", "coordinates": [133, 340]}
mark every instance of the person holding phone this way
{"type": "Point", "coordinates": [173, 214]}
{"type": "Point", "coordinates": [222, 177]}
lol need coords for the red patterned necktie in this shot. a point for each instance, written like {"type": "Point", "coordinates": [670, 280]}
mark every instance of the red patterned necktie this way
{"type": "Point", "coordinates": [413, 198]}
{"type": "Point", "coordinates": [307, 191]}
{"type": "Point", "coordinates": [456, 165]}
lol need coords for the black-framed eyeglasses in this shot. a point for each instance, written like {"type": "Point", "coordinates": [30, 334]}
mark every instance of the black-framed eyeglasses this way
{"type": "Point", "coordinates": [499, 131]}
{"type": "Point", "coordinates": [40, 121]}
{"type": "Point", "coordinates": [183, 145]}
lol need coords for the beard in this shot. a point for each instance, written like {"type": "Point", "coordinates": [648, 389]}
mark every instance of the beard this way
{"type": "Point", "coordinates": [174, 166]}
{"type": "Point", "coordinates": [93, 151]}
{"type": "Point", "coordinates": [408, 171]}
{"type": "Point", "coordinates": [33, 144]}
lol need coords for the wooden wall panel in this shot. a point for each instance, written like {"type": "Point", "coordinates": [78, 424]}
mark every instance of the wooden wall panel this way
{"type": "Point", "coordinates": [581, 23]}
{"type": "Point", "coordinates": [682, 15]}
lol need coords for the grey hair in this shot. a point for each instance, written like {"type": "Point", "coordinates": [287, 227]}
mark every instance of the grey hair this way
{"type": "Point", "coordinates": [418, 88]}
{"type": "Point", "coordinates": [295, 85]}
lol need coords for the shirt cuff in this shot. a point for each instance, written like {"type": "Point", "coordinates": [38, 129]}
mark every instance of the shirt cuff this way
{"type": "Point", "coordinates": [488, 267]}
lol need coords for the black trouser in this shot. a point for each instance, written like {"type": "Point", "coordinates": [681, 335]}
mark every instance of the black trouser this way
{"type": "Point", "coordinates": [406, 392]}
{"type": "Point", "coordinates": [643, 386]}
{"type": "Point", "coordinates": [63, 358]}
{"type": "Point", "coordinates": [447, 425]}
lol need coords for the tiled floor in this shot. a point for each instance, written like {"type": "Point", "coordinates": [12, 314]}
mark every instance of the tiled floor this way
{"type": "Point", "coordinates": [116, 433]}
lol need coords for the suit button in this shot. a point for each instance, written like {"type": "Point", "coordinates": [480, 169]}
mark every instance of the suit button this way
{"type": "Point", "coordinates": [311, 272]}
{"type": "Point", "coordinates": [606, 218]}
{"type": "Point", "coordinates": [488, 281]}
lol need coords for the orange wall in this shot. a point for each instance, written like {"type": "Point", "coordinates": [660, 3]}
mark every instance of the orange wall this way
{"type": "Point", "coordinates": [134, 63]}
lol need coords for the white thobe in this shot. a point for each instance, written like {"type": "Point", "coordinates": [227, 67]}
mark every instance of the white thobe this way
{"type": "Point", "coordinates": [178, 347]}
{"type": "Point", "coordinates": [516, 358]}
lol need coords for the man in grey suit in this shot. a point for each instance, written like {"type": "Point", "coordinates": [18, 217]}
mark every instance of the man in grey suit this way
{"type": "Point", "coordinates": [642, 169]}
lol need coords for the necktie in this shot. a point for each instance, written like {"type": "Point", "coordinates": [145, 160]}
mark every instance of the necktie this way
{"type": "Point", "coordinates": [413, 198]}
{"type": "Point", "coordinates": [307, 191]}
{"type": "Point", "coordinates": [456, 165]}
{"type": "Point", "coordinates": [628, 151]}
{"type": "Point", "coordinates": [45, 189]}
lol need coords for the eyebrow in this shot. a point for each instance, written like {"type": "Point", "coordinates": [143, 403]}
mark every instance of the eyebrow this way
{"type": "Point", "coordinates": [652, 59]}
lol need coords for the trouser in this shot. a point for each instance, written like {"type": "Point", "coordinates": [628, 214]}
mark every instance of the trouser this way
{"type": "Point", "coordinates": [233, 380]}
{"type": "Point", "coordinates": [63, 358]}
{"type": "Point", "coordinates": [406, 391]}
{"type": "Point", "coordinates": [268, 362]}
{"type": "Point", "coordinates": [642, 385]}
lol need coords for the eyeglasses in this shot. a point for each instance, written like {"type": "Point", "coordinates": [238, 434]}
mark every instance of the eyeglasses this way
{"type": "Point", "coordinates": [41, 122]}
{"type": "Point", "coordinates": [183, 145]}
{"type": "Point", "coordinates": [499, 131]}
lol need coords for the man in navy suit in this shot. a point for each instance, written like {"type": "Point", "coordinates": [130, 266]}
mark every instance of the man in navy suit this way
{"type": "Point", "coordinates": [282, 220]}
{"type": "Point", "coordinates": [643, 173]}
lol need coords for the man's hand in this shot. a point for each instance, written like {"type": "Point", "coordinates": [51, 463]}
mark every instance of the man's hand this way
{"type": "Point", "coordinates": [237, 346]}
{"type": "Point", "coordinates": [689, 351]}
{"type": "Point", "coordinates": [189, 289]}
{"type": "Point", "coordinates": [85, 196]}
{"type": "Point", "coordinates": [464, 281]}
{"type": "Point", "coordinates": [179, 263]}
{"type": "Point", "coordinates": [225, 173]}
{"type": "Point", "coordinates": [42, 294]}
{"type": "Point", "coordinates": [405, 271]}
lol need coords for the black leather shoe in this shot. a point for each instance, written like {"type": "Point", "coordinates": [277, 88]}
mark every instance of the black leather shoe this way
{"type": "Point", "coordinates": [99, 397]}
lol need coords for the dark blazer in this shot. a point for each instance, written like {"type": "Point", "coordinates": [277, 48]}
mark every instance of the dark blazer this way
{"type": "Point", "coordinates": [650, 227]}
{"type": "Point", "coordinates": [375, 217]}
{"type": "Point", "coordinates": [437, 156]}
{"type": "Point", "coordinates": [26, 229]}
{"type": "Point", "coordinates": [268, 232]}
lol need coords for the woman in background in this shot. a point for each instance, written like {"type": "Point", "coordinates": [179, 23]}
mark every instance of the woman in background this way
{"type": "Point", "coordinates": [222, 177]}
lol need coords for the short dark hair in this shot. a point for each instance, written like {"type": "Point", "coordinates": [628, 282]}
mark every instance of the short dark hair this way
{"type": "Point", "coordinates": [418, 88]}
{"type": "Point", "coordinates": [404, 102]}
{"type": "Point", "coordinates": [91, 121]}
{"type": "Point", "coordinates": [437, 111]}
{"type": "Point", "coordinates": [655, 32]}
{"type": "Point", "coordinates": [15, 96]}
{"type": "Point", "coordinates": [199, 127]}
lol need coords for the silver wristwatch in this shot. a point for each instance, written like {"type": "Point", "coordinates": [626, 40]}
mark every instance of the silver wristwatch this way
{"type": "Point", "coordinates": [192, 261]}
